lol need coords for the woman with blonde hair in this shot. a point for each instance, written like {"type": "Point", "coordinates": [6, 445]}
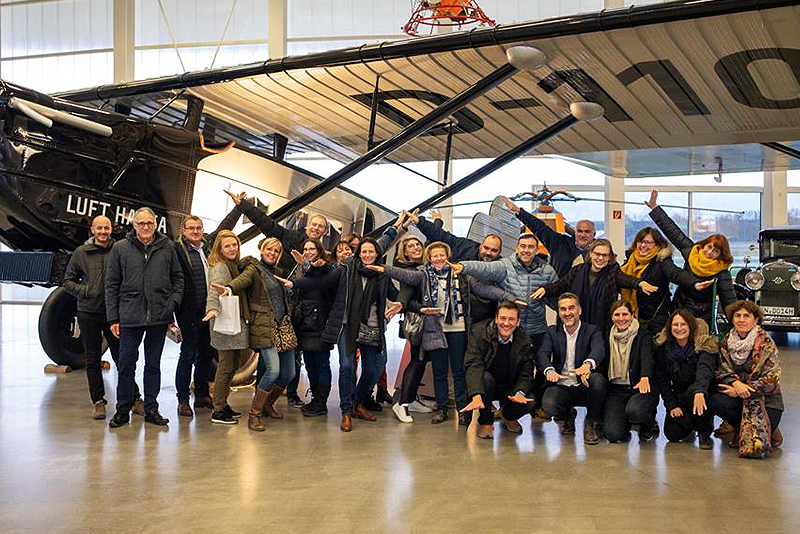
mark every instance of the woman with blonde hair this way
{"type": "Point", "coordinates": [271, 332]}
{"type": "Point", "coordinates": [232, 350]}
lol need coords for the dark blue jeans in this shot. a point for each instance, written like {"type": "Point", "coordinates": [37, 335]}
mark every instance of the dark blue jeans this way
{"type": "Point", "coordinates": [454, 353]}
{"type": "Point", "coordinates": [129, 339]}
{"type": "Point", "coordinates": [625, 405]}
{"type": "Point", "coordinates": [318, 367]}
{"type": "Point", "coordinates": [372, 361]}
{"type": "Point", "coordinates": [195, 351]}
{"type": "Point", "coordinates": [278, 368]}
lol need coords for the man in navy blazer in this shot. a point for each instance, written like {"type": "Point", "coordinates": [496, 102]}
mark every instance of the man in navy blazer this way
{"type": "Point", "coordinates": [569, 358]}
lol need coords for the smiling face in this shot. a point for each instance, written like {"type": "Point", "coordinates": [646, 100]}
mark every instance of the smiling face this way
{"type": "Point", "coordinates": [343, 251]}
{"type": "Point", "coordinates": [527, 246]}
{"type": "Point", "coordinates": [584, 233]}
{"type": "Point", "coordinates": [413, 250]}
{"type": "Point", "coordinates": [438, 257]}
{"type": "Point", "coordinates": [101, 230]}
{"type": "Point", "coordinates": [680, 330]}
{"type": "Point", "coordinates": [645, 245]}
{"type": "Point", "coordinates": [507, 320]}
{"type": "Point", "coordinates": [145, 226]}
{"type": "Point", "coordinates": [192, 231]}
{"type": "Point", "coordinates": [230, 248]}
{"type": "Point", "coordinates": [489, 249]}
{"type": "Point", "coordinates": [743, 322]}
{"type": "Point", "coordinates": [310, 251]}
{"type": "Point", "coordinates": [710, 251]}
{"type": "Point", "coordinates": [569, 311]}
{"type": "Point", "coordinates": [368, 254]}
{"type": "Point", "coordinates": [270, 254]}
{"type": "Point", "coordinates": [622, 318]}
{"type": "Point", "coordinates": [600, 256]}
{"type": "Point", "coordinates": [317, 226]}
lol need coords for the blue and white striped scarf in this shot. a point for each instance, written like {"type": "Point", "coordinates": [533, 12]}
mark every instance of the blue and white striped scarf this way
{"type": "Point", "coordinates": [452, 288]}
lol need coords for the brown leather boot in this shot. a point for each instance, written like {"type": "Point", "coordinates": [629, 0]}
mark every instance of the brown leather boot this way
{"type": "Point", "coordinates": [273, 395]}
{"type": "Point", "coordinates": [777, 437]}
{"type": "Point", "coordinates": [256, 409]}
{"type": "Point", "coordinates": [362, 413]}
{"type": "Point", "coordinates": [347, 423]}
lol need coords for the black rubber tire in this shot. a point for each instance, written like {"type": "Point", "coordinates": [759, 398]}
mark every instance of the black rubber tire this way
{"type": "Point", "coordinates": [56, 322]}
{"type": "Point", "coordinates": [741, 274]}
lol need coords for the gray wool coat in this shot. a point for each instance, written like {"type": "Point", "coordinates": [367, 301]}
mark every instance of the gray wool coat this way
{"type": "Point", "coordinates": [219, 274]}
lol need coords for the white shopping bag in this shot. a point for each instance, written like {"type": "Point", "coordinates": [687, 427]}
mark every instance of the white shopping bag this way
{"type": "Point", "coordinates": [228, 321]}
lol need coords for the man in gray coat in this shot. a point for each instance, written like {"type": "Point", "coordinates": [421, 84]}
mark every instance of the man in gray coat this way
{"type": "Point", "coordinates": [144, 286]}
{"type": "Point", "coordinates": [85, 280]}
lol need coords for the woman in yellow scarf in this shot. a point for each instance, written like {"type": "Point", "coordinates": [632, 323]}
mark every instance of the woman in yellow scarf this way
{"type": "Point", "coordinates": [650, 258]}
{"type": "Point", "coordinates": [707, 260]}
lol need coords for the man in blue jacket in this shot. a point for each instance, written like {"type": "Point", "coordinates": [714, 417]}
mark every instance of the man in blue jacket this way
{"type": "Point", "coordinates": [144, 286]}
{"type": "Point", "coordinates": [569, 357]}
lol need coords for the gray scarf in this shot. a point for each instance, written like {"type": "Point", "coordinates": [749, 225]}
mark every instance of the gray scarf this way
{"type": "Point", "coordinates": [620, 344]}
{"type": "Point", "coordinates": [740, 348]}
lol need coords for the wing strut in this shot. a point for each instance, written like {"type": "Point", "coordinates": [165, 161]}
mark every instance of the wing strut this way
{"type": "Point", "coordinates": [527, 58]}
{"type": "Point", "coordinates": [578, 111]}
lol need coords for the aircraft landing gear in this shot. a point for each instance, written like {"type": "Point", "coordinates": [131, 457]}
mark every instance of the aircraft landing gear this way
{"type": "Point", "coordinates": [57, 329]}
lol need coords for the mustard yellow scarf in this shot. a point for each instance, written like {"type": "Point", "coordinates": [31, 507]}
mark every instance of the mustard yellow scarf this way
{"type": "Point", "coordinates": [702, 266]}
{"type": "Point", "coordinates": [635, 266]}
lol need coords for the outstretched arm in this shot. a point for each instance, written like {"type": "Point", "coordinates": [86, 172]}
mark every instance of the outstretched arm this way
{"type": "Point", "coordinates": [461, 247]}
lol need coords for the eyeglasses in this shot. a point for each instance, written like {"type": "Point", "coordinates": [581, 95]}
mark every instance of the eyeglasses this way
{"type": "Point", "coordinates": [193, 228]}
{"type": "Point", "coordinates": [599, 255]}
{"type": "Point", "coordinates": [144, 223]}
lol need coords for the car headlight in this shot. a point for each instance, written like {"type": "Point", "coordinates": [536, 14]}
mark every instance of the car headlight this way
{"type": "Point", "coordinates": [755, 280]}
{"type": "Point", "coordinates": [795, 281]}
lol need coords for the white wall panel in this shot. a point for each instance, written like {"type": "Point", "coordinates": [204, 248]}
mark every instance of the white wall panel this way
{"type": "Point", "coordinates": [163, 61]}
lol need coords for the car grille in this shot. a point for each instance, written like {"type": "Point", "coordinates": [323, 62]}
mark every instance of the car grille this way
{"type": "Point", "coordinates": [777, 276]}
{"type": "Point", "coordinates": [779, 298]}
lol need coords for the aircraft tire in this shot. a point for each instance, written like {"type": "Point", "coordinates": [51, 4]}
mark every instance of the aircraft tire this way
{"type": "Point", "coordinates": [246, 372]}
{"type": "Point", "coordinates": [56, 322]}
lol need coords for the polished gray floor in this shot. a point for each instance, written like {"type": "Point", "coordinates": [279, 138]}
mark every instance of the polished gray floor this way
{"type": "Point", "coordinates": [60, 471]}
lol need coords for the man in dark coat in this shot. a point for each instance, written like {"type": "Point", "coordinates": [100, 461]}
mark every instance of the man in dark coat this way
{"type": "Point", "coordinates": [85, 280]}
{"type": "Point", "coordinates": [144, 286]}
{"type": "Point", "coordinates": [565, 250]}
{"type": "Point", "coordinates": [569, 357]}
{"type": "Point", "coordinates": [193, 247]}
{"type": "Point", "coordinates": [499, 366]}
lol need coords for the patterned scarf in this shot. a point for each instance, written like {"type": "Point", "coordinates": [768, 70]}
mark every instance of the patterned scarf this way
{"type": "Point", "coordinates": [620, 344]}
{"type": "Point", "coordinates": [740, 347]}
{"type": "Point", "coordinates": [453, 309]}
{"type": "Point", "coordinates": [702, 266]}
{"type": "Point", "coordinates": [635, 266]}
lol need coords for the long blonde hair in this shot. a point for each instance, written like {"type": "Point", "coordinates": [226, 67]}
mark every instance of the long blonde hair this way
{"type": "Point", "coordinates": [216, 249]}
{"type": "Point", "coordinates": [271, 242]}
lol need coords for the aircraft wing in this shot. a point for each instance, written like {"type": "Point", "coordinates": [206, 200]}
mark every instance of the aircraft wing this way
{"type": "Point", "coordinates": [670, 76]}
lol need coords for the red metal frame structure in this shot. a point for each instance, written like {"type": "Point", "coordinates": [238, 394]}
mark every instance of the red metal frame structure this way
{"type": "Point", "coordinates": [432, 14]}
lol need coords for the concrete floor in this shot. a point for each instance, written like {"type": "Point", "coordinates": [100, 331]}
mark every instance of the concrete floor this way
{"type": "Point", "coordinates": [60, 471]}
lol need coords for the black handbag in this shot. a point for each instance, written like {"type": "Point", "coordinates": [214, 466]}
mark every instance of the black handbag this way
{"type": "Point", "coordinates": [369, 335]}
{"type": "Point", "coordinates": [412, 327]}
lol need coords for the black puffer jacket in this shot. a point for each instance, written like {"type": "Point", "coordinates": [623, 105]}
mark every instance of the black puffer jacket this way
{"type": "Point", "coordinates": [290, 239]}
{"type": "Point", "coordinates": [310, 313]}
{"type": "Point", "coordinates": [482, 349]}
{"type": "Point", "coordinates": [85, 277]}
{"type": "Point", "coordinates": [562, 247]}
{"type": "Point", "coordinates": [144, 284]}
{"type": "Point", "coordinates": [697, 302]}
{"type": "Point", "coordinates": [693, 374]}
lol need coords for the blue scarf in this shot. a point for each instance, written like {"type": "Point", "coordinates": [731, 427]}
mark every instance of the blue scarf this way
{"type": "Point", "coordinates": [452, 290]}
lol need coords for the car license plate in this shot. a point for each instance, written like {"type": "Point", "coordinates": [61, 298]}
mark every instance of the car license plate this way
{"type": "Point", "coordinates": [778, 310]}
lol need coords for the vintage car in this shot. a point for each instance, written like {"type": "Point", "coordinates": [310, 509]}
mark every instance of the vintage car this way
{"type": "Point", "coordinates": [776, 283]}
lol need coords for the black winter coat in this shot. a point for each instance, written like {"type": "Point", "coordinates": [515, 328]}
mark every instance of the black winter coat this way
{"type": "Point", "coordinates": [144, 285]}
{"type": "Point", "coordinates": [562, 247]}
{"type": "Point", "coordinates": [311, 310]}
{"type": "Point", "coordinates": [481, 352]}
{"type": "Point", "coordinates": [654, 309]}
{"type": "Point", "coordinates": [408, 295]}
{"type": "Point", "coordinates": [570, 282]}
{"type": "Point", "coordinates": [694, 374]}
{"type": "Point", "coordinates": [190, 311]}
{"type": "Point", "coordinates": [290, 239]}
{"type": "Point", "coordinates": [697, 302]}
{"type": "Point", "coordinates": [85, 277]}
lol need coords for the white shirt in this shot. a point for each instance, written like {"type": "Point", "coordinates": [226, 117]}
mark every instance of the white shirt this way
{"type": "Point", "coordinates": [569, 362]}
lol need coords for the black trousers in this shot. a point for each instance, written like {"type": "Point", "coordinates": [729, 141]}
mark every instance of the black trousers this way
{"type": "Point", "coordinates": [679, 428]}
{"type": "Point", "coordinates": [500, 392]}
{"type": "Point", "coordinates": [412, 375]}
{"type": "Point", "coordinates": [730, 409]}
{"type": "Point", "coordinates": [625, 405]}
{"type": "Point", "coordinates": [558, 400]}
{"type": "Point", "coordinates": [93, 326]}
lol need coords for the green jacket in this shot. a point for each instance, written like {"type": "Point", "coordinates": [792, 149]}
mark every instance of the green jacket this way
{"type": "Point", "coordinates": [253, 282]}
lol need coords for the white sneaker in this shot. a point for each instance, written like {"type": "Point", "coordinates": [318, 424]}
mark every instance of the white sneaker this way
{"type": "Point", "coordinates": [401, 412]}
{"type": "Point", "coordinates": [418, 407]}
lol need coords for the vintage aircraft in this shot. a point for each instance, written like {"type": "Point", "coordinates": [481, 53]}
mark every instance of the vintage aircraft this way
{"type": "Point", "coordinates": [721, 75]}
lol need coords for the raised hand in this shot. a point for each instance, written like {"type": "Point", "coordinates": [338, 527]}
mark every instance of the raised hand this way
{"type": "Point", "coordinates": [400, 219]}
{"type": "Point", "coordinates": [236, 198]}
{"type": "Point", "coordinates": [520, 399]}
{"type": "Point", "coordinates": [436, 214]}
{"type": "Point", "coordinates": [647, 288]}
{"type": "Point", "coordinates": [539, 293]}
{"type": "Point", "coordinates": [475, 404]}
{"type": "Point", "coordinates": [319, 262]}
{"type": "Point", "coordinates": [510, 205]}
{"type": "Point", "coordinates": [699, 404]}
{"type": "Point", "coordinates": [520, 302]}
{"type": "Point", "coordinates": [222, 290]}
{"type": "Point", "coordinates": [643, 385]}
{"type": "Point", "coordinates": [376, 268]}
{"type": "Point", "coordinates": [212, 314]}
{"type": "Point", "coordinates": [392, 308]}
{"type": "Point", "coordinates": [652, 203]}
{"type": "Point", "coordinates": [412, 218]}
{"type": "Point", "coordinates": [286, 283]}
{"type": "Point", "coordinates": [430, 311]}
{"type": "Point", "coordinates": [297, 256]}
{"type": "Point", "coordinates": [699, 286]}
{"type": "Point", "coordinates": [457, 268]}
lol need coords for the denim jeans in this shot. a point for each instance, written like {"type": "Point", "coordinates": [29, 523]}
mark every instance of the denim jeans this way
{"type": "Point", "coordinates": [318, 367]}
{"type": "Point", "coordinates": [625, 405]}
{"type": "Point", "coordinates": [558, 400]}
{"type": "Point", "coordinates": [93, 326]}
{"type": "Point", "coordinates": [195, 351]}
{"type": "Point", "coordinates": [372, 361]}
{"type": "Point", "coordinates": [129, 339]}
{"type": "Point", "coordinates": [454, 354]}
{"type": "Point", "coordinates": [278, 368]}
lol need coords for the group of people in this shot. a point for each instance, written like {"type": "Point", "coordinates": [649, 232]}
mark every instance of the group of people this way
{"type": "Point", "coordinates": [621, 338]}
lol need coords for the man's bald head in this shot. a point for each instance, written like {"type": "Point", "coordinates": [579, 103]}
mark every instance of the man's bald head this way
{"type": "Point", "coordinates": [101, 230]}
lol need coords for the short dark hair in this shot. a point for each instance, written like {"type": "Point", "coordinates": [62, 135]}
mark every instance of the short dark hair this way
{"type": "Point", "coordinates": [190, 218]}
{"type": "Point", "coordinates": [747, 305]}
{"type": "Point", "coordinates": [508, 305]}
{"type": "Point", "coordinates": [687, 316]}
{"type": "Point", "coordinates": [567, 295]}
{"type": "Point", "coordinates": [620, 304]}
{"type": "Point", "coordinates": [374, 243]}
{"type": "Point", "coordinates": [494, 236]}
{"type": "Point", "coordinates": [658, 239]}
